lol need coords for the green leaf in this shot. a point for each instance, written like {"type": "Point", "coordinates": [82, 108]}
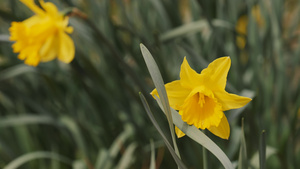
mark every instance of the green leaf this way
{"type": "Point", "coordinates": [243, 163]}
{"type": "Point", "coordinates": [127, 157]}
{"type": "Point", "coordinates": [79, 164]}
{"type": "Point", "coordinates": [106, 158]}
{"type": "Point", "coordinates": [11, 121]}
{"type": "Point", "coordinates": [15, 71]}
{"type": "Point", "coordinates": [255, 160]}
{"type": "Point", "coordinates": [76, 133]}
{"type": "Point", "coordinates": [199, 137]}
{"type": "Point", "coordinates": [193, 27]}
{"type": "Point", "coordinates": [152, 161]}
{"type": "Point", "coordinates": [16, 163]}
{"type": "Point", "coordinates": [149, 113]}
{"type": "Point", "coordinates": [262, 150]}
{"type": "Point", "coordinates": [4, 38]}
{"type": "Point", "coordinates": [161, 90]}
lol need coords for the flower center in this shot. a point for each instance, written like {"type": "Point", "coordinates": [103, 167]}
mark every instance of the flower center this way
{"type": "Point", "coordinates": [202, 110]}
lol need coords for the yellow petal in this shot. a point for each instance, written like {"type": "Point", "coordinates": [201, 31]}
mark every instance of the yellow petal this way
{"type": "Point", "coordinates": [49, 49]}
{"type": "Point", "coordinates": [217, 71]}
{"type": "Point", "coordinates": [32, 6]}
{"type": "Point", "coordinates": [223, 130]}
{"type": "Point", "coordinates": [66, 48]}
{"type": "Point", "coordinates": [49, 7]}
{"type": "Point", "coordinates": [176, 93]}
{"type": "Point", "coordinates": [178, 132]}
{"type": "Point", "coordinates": [189, 77]}
{"type": "Point", "coordinates": [231, 101]}
{"type": "Point", "coordinates": [33, 59]}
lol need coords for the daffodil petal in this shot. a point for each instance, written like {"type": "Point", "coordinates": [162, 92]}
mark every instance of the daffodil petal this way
{"type": "Point", "coordinates": [49, 7]}
{"type": "Point", "coordinates": [217, 71]}
{"type": "Point", "coordinates": [176, 93]}
{"type": "Point", "coordinates": [223, 130]}
{"type": "Point", "coordinates": [49, 49]}
{"type": "Point", "coordinates": [32, 58]}
{"type": "Point", "coordinates": [188, 76]}
{"type": "Point", "coordinates": [178, 132]}
{"type": "Point", "coordinates": [66, 48]}
{"type": "Point", "coordinates": [231, 101]}
{"type": "Point", "coordinates": [31, 5]}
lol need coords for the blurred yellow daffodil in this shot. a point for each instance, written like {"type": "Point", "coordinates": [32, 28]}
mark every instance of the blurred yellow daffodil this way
{"type": "Point", "coordinates": [42, 37]}
{"type": "Point", "coordinates": [242, 24]}
{"type": "Point", "coordinates": [201, 98]}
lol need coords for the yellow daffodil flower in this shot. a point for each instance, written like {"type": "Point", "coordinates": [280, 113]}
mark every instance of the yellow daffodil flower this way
{"type": "Point", "coordinates": [201, 98]}
{"type": "Point", "coordinates": [42, 37]}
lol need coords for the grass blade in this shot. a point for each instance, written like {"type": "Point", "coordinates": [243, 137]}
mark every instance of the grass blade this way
{"type": "Point", "coordinates": [26, 119]}
{"type": "Point", "coordinates": [255, 160]}
{"type": "Point", "coordinates": [127, 157]}
{"type": "Point", "coordinates": [262, 150]}
{"type": "Point", "coordinates": [152, 162]}
{"type": "Point", "coordinates": [4, 38]}
{"type": "Point", "coordinates": [15, 71]}
{"type": "Point", "coordinates": [106, 159]}
{"type": "Point", "coordinates": [73, 127]}
{"type": "Point", "coordinates": [199, 137]}
{"type": "Point", "coordinates": [193, 27]}
{"type": "Point", "coordinates": [160, 87]}
{"type": "Point", "coordinates": [243, 151]}
{"type": "Point", "coordinates": [16, 163]}
{"type": "Point", "coordinates": [149, 113]}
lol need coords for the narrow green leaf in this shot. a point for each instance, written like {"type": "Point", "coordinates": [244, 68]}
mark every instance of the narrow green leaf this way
{"type": "Point", "coordinates": [127, 157]}
{"type": "Point", "coordinates": [16, 163]}
{"type": "Point", "coordinates": [4, 38]}
{"type": "Point", "coordinates": [204, 153]}
{"type": "Point", "coordinates": [255, 160]}
{"type": "Point", "coordinates": [193, 27]}
{"type": "Point", "coordinates": [10, 121]}
{"type": "Point", "coordinates": [161, 90]}
{"type": "Point", "coordinates": [152, 161]}
{"type": "Point", "coordinates": [149, 113]}
{"type": "Point", "coordinates": [243, 150]}
{"type": "Point", "coordinates": [262, 150]}
{"type": "Point", "coordinates": [199, 137]}
{"type": "Point", "coordinates": [101, 158]}
{"type": "Point", "coordinates": [79, 164]}
{"type": "Point", "coordinates": [106, 159]}
{"type": "Point", "coordinates": [76, 133]}
{"type": "Point", "coordinates": [15, 71]}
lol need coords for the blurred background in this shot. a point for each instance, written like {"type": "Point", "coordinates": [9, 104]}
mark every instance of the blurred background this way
{"type": "Point", "coordinates": [88, 114]}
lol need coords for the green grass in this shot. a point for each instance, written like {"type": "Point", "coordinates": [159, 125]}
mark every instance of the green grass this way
{"type": "Point", "coordinates": [88, 114]}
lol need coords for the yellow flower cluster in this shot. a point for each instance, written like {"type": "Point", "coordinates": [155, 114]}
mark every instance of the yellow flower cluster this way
{"type": "Point", "coordinates": [42, 37]}
{"type": "Point", "coordinates": [201, 98]}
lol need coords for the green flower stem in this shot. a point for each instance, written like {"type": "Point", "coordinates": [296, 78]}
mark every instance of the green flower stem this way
{"type": "Point", "coordinates": [204, 153]}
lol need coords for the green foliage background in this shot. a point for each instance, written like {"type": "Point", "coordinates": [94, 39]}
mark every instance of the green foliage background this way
{"type": "Point", "coordinates": [87, 114]}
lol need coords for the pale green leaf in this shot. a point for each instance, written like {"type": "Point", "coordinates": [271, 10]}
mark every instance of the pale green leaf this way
{"type": "Point", "coordinates": [16, 163]}
{"type": "Point", "coordinates": [161, 90]}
